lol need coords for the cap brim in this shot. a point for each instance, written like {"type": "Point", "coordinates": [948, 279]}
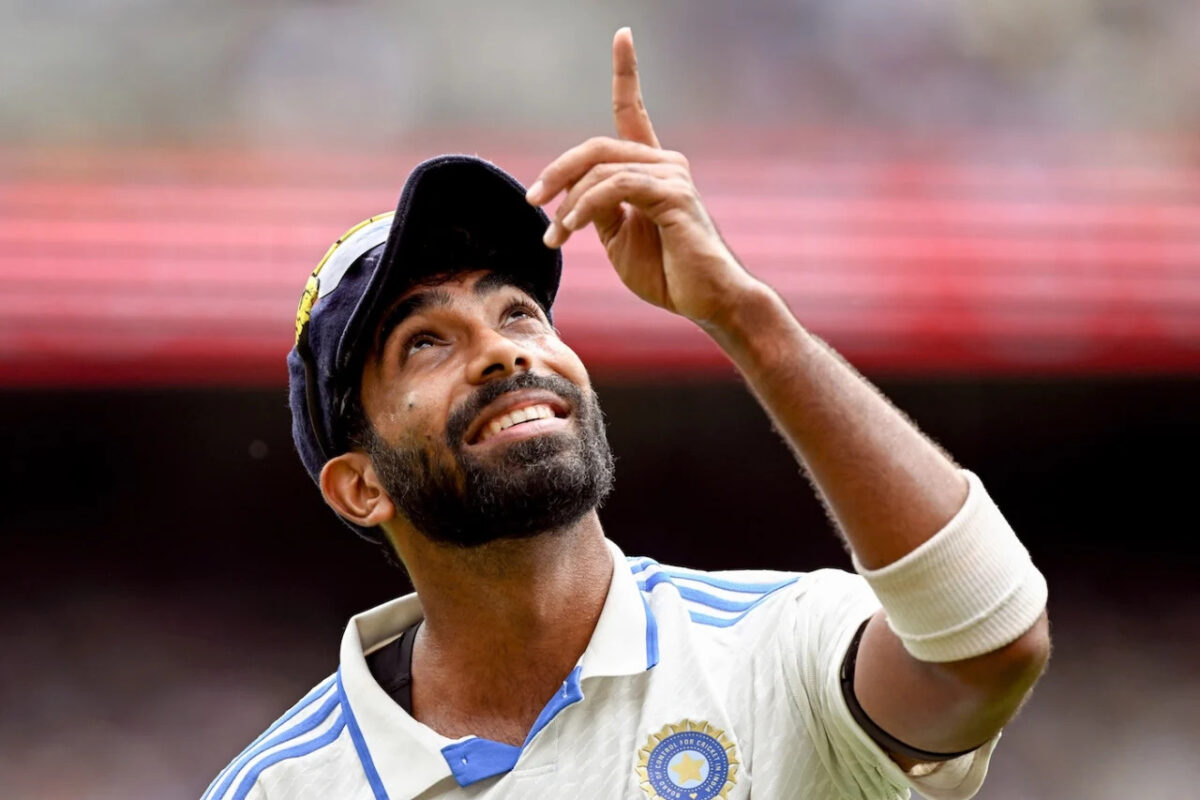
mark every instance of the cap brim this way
{"type": "Point", "coordinates": [455, 191]}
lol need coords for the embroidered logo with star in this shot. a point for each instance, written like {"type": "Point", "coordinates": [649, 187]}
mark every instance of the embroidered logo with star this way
{"type": "Point", "coordinates": [687, 761]}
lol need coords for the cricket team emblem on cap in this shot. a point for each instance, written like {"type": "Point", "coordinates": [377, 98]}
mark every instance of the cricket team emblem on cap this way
{"type": "Point", "coordinates": [687, 761]}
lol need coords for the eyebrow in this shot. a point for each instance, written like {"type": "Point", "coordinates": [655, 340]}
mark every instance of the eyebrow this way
{"type": "Point", "coordinates": [435, 298]}
{"type": "Point", "coordinates": [415, 303]}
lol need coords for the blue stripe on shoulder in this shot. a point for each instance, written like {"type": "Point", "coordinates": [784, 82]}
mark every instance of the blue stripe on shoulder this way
{"type": "Point", "coordinates": [671, 575]}
{"type": "Point", "coordinates": [302, 749]}
{"type": "Point", "coordinates": [734, 586]}
{"type": "Point", "coordinates": [299, 729]}
{"type": "Point", "coordinates": [713, 601]}
{"type": "Point", "coordinates": [654, 580]}
{"type": "Point", "coordinates": [725, 622]}
{"type": "Point", "coordinates": [360, 744]}
{"type": "Point", "coordinates": [639, 563]}
{"type": "Point", "coordinates": [319, 690]}
{"type": "Point", "coordinates": [759, 592]}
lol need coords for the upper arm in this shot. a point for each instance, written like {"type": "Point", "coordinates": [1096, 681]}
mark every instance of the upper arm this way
{"type": "Point", "coordinates": [944, 707]}
{"type": "Point", "coordinates": [826, 611]}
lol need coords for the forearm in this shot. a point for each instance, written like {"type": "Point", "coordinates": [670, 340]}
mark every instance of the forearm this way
{"type": "Point", "coordinates": [888, 487]}
{"type": "Point", "coordinates": [955, 681]}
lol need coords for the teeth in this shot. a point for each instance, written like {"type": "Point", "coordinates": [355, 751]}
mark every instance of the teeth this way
{"type": "Point", "coordinates": [541, 411]}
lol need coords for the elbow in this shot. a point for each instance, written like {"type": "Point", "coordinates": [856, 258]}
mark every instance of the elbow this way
{"type": "Point", "coordinates": [1004, 677]}
{"type": "Point", "coordinates": [996, 683]}
{"type": "Point", "coordinates": [992, 687]}
{"type": "Point", "coordinates": [1029, 653]}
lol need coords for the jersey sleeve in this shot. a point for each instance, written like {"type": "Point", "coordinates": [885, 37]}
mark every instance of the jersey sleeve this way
{"type": "Point", "coordinates": [827, 608]}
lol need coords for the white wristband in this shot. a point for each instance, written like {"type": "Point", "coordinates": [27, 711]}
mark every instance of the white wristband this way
{"type": "Point", "coordinates": [969, 590]}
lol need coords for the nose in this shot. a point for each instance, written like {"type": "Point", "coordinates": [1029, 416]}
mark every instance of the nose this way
{"type": "Point", "coordinates": [496, 356]}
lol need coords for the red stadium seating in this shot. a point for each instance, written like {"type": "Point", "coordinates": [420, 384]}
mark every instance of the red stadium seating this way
{"type": "Point", "coordinates": [182, 267]}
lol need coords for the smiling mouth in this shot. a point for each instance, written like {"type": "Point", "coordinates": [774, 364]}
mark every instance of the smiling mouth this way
{"type": "Point", "coordinates": [518, 416]}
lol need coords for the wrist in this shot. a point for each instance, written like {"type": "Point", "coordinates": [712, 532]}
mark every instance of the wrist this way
{"type": "Point", "coordinates": [742, 300]}
{"type": "Point", "coordinates": [752, 322]}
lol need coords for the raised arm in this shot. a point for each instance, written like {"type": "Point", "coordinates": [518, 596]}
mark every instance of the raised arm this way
{"type": "Point", "coordinates": [889, 488]}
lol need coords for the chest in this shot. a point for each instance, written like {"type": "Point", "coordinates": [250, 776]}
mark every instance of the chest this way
{"type": "Point", "coordinates": [504, 711]}
{"type": "Point", "coordinates": [671, 734]}
{"type": "Point", "coordinates": [506, 725]}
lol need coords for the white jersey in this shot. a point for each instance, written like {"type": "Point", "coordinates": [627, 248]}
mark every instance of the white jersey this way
{"type": "Point", "coordinates": [695, 685]}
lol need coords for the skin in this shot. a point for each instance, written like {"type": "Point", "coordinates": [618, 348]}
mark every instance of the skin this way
{"type": "Point", "coordinates": [887, 486]}
{"type": "Point", "coordinates": [506, 622]}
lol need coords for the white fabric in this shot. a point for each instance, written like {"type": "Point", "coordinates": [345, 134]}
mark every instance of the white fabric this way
{"type": "Point", "coordinates": [968, 590]}
{"type": "Point", "coordinates": [752, 656]}
{"type": "Point", "coordinates": [351, 248]}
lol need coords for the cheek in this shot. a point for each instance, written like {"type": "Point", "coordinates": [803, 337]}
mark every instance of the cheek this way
{"type": "Point", "coordinates": [420, 420]}
{"type": "Point", "coordinates": [573, 370]}
{"type": "Point", "coordinates": [411, 421]}
{"type": "Point", "coordinates": [564, 361]}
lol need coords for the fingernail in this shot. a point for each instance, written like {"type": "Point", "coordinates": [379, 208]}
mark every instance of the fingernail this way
{"type": "Point", "coordinates": [534, 192]}
{"type": "Point", "coordinates": [549, 236]}
{"type": "Point", "coordinates": [568, 221]}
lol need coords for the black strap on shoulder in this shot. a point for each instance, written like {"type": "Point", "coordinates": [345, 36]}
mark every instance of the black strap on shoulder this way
{"type": "Point", "coordinates": [882, 738]}
{"type": "Point", "coordinates": [391, 667]}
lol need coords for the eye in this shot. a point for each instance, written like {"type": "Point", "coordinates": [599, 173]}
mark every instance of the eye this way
{"type": "Point", "coordinates": [518, 311]}
{"type": "Point", "coordinates": [421, 340]}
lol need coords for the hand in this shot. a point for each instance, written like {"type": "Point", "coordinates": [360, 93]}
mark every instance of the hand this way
{"type": "Point", "coordinates": [644, 206]}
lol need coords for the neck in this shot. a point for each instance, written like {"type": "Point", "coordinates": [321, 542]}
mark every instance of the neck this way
{"type": "Point", "coordinates": [513, 589]}
{"type": "Point", "coordinates": [505, 622]}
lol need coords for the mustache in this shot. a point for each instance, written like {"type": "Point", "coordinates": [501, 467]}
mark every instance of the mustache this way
{"type": "Point", "coordinates": [460, 420]}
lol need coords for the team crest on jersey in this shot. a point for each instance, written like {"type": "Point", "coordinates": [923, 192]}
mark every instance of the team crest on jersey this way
{"type": "Point", "coordinates": [687, 761]}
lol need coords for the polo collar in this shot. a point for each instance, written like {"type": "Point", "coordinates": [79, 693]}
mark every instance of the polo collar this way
{"type": "Point", "coordinates": [379, 728]}
{"type": "Point", "coordinates": [625, 641]}
{"type": "Point", "coordinates": [401, 757]}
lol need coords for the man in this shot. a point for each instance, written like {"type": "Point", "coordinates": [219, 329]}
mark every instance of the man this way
{"type": "Point", "coordinates": [436, 407]}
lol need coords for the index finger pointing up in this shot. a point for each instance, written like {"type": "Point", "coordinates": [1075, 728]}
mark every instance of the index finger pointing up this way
{"type": "Point", "coordinates": [629, 112]}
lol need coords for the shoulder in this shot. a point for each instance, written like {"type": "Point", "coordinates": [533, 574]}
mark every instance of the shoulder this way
{"type": "Point", "coordinates": [720, 599]}
{"type": "Point", "coordinates": [746, 604]}
{"type": "Point", "coordinates": [305, 731]}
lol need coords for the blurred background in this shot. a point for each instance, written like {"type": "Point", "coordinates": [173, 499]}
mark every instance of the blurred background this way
{"type": "Point", "coordinates": [991, 207]}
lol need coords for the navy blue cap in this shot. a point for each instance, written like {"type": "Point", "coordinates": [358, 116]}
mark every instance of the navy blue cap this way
{"type": "Point", "coordinates": [379, 259]}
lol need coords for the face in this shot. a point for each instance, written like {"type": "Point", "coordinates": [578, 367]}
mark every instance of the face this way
{"type": "Point", "coordinates": [486, 426]}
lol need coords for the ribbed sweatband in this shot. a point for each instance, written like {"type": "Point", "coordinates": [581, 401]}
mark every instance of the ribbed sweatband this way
{"type": "Point", "coordinates": [969, 590]}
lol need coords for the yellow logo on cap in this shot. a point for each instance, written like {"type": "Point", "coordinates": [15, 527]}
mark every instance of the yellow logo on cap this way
{"type": "Point", "coordinates": [304, 311]}
{"type": "Point", "coordinates": [312, 288]}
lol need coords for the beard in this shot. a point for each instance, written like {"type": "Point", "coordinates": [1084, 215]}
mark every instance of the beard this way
{"type": "Point", "coordinates": [532, 486]}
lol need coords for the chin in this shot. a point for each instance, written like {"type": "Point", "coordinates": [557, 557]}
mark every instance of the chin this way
{"type": "Point", "coordinates": [541, 452]}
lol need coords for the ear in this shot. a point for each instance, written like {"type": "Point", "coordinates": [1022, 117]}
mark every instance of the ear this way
{"type": "Point", "coordinates": [352, 488]}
